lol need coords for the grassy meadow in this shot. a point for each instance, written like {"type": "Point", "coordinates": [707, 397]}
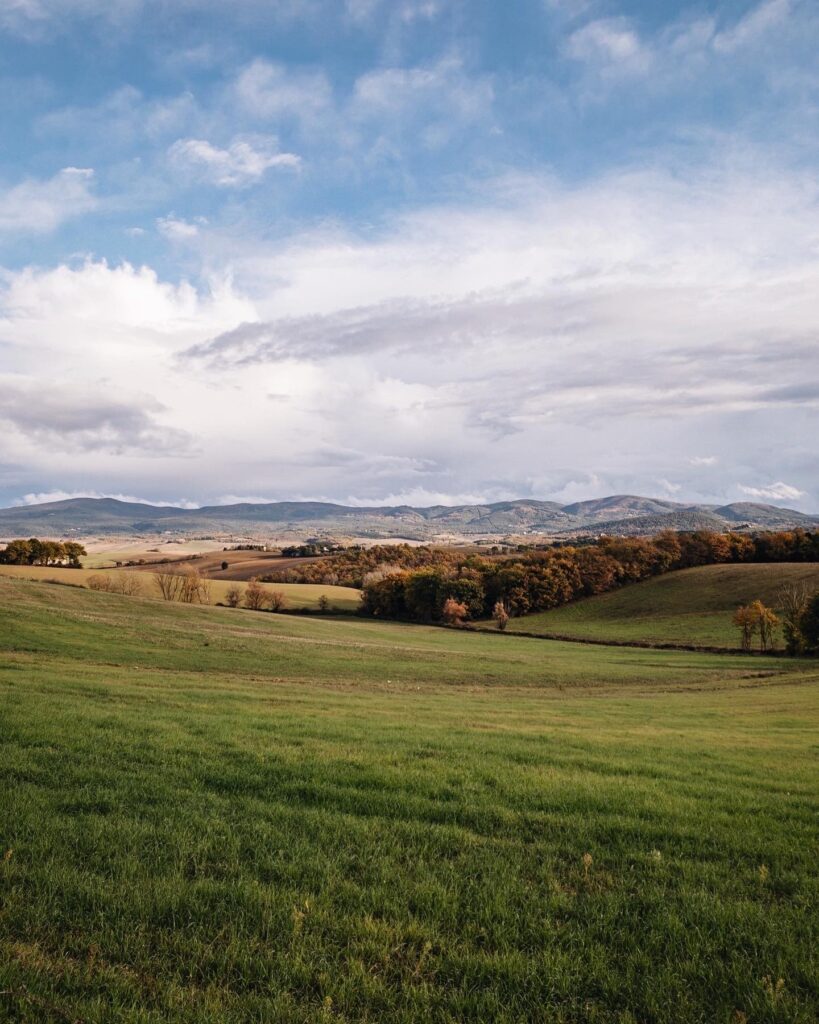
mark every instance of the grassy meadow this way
{"type": "Point", "coordinates": [214, 815]}
{"type": "Point", "coordinates": [297, 595]}
{"type": "Point", "coordinates": [690, 606]}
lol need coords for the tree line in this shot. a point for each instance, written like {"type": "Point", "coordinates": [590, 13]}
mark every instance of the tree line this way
{"type": "Point", "coordinates": [430, 584]}
{"type": "Point", "coordinates": [43, 552]}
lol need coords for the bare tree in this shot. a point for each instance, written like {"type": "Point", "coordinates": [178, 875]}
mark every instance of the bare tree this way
{"type": "Point", "coordinates": [128, 583]}
{"type": "Point", "coordinates": [194, 588]}
{"type": "Point", "coordinates": [169, 585]}
{"type": "Point", "coordinates": [233, 597]}
{"type": "Point", "coordinates": [277, 600]}
{"type": "Point", "coordinates": [255, 595]}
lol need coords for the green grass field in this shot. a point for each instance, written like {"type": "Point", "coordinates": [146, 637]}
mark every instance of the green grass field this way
{"type": "Point", "coordinates": [693, 606]}
{"type": "Point", "coordinates": [297, 595]}
{"type": "Point", "coordinates": [221, 816]}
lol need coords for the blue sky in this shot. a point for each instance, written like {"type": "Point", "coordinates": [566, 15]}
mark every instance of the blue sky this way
{"type": "Point", "coordinates": [424, 250]}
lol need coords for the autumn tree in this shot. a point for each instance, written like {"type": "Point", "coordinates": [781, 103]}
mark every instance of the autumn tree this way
{"type": "Point", "coordinates": [454, 612]}
{"type": "Point", "coordinates": [809, 624]}
{"type": "Point", "coordinates": [792, 600]}
{"type": "Point", "coordinates": [500, 615]}
{"type": "Point", "coordinates": [278, 600]}
{"type": "Point", "coordinates": [74, 552]}
{"type": "Point", "coordinates": [233, 597]}
{"type": "Point", "coordinates": [745, 620]}
{"type": "Point", "coordinates": [766, 623]}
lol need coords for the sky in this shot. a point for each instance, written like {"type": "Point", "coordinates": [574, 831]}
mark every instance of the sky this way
{"type": "Point", "coordinates": [422, 251]}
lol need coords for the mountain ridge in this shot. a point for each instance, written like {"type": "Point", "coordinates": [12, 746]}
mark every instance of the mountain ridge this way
{"type": "Point", "coordinates": [623, 514]}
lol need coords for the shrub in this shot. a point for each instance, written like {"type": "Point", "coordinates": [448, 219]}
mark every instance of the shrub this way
{"type": "Point", "coordinates": [255, 595]}
{"type": "Point", "coordinates": [99, 582]}
{"type": "Point", "coordinates": [453, 612]}
{"type": "Point", "coordinates": [500, 615]}
{"type": "Point", "coordinates": [126, 583]}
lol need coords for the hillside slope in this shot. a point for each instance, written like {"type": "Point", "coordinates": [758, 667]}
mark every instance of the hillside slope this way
{"type": "Point", "coordinates": [692, 606]}
{"type": "Point", "coordinates": [215, 817]}
{"type": "Point", "coordinates": [296, 595]}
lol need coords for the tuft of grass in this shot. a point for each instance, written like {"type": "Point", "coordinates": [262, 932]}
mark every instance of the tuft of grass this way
{"type": "Point", "coordinates": [219, 817]}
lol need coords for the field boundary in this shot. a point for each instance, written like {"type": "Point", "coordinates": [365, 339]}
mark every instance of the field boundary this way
{"type": "Point", "coordinates": [660, 645]}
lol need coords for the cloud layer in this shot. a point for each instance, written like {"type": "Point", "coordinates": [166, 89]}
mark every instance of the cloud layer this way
{"type": "Point", "coordinates": [371, 251]}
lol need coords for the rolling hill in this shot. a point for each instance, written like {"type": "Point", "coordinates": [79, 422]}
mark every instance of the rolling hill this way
{"type": "Point", "coordinates": [217, 817]}
{"type": "Point", "coordinates": [691, 607]}
{"type": "Point", "coordinates": [618, 514]}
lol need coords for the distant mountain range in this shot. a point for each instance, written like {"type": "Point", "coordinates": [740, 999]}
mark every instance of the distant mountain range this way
{"type": "Point", "coordinates": [625, 515]}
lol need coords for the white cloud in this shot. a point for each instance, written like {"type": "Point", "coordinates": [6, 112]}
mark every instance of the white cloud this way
{"type": "Point", "coordinates": [108, 336]}
{"type": "Point", "coordinates": [686, 52]}
{"type": "Point", "coordinates": [774, 492]}
{"type": "Point", "coordinates": [177, 230]}
{"type": "Point", "coordinates": [408, 11]}
{"type": "Point", "coordinates": [244, 162]}
{"type": "Point", "coordinates": [422, 497]}
{"type": "Point", "coordinates": [754, 26]}
{"type": "Point", "coordinates": [123, 121]}
{"type": "Point", "coordinates": [590, 325]}
{"type": "Point", "coordinates": [610, 40]}
{"type": "Point", "coordinates": [85, 420]}
{"type": "Point", "coordinates": [419, 92]}
{"type": "Point", "coordinates": [38, 207]}
{"type": "Point", "coordinates": [41, 497]}
{"type": "Point", "coordinates": [270, 91]}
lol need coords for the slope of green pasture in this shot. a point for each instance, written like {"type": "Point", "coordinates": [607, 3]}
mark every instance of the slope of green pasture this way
{"type": "Point", "coordinates": [220, 816]}
{"type": "Point", "coordinates": [693, 606]}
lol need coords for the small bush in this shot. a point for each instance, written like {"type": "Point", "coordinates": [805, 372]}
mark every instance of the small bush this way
{"type": "Point", "coordinates": [453, 612]}
{"type": "Point", "coordinates": [255, 595]}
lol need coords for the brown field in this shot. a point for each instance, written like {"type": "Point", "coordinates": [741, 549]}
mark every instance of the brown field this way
{"type": "Point", "coordinates": [242, 565]}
